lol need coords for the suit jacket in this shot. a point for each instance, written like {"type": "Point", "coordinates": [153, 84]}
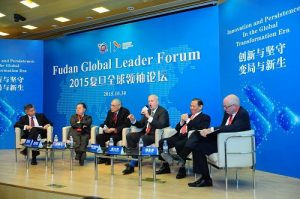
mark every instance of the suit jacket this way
{"type": "Point", "coordinates": [122, 120]}
{"type": "Point", "coordinates": [85, 124]}
{"type": "Point", "coordinates": [160, 120]}
{"type": "Point", "coordinates": [201, 121]}
{"type": "Point", "coordinates": [24, 120]}
{"type": "Point", "coordinates": [241, 122]}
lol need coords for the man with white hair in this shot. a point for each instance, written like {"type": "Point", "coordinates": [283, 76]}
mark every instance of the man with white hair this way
{"type": "Point", "coordinates": [235, 119]}
{"type": "Point", "coordinates": [154, 117]}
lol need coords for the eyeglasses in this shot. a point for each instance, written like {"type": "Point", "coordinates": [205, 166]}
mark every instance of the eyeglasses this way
{"type": "Point", "coordinates": [228, 106]}
{"type": "Point", "coordinates": [115, 105]}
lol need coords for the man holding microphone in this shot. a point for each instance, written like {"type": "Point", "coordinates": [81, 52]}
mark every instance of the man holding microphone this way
{"type": "Point", "coordinates": [154, 117]}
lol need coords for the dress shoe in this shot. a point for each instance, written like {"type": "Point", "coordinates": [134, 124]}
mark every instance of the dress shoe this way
{"type": "Point", "coordinates": [128, 170]}
{"type": "Point", "coordinates": [202, 182]}
{"type": "Point", "coordinates": [107, 162]}
{"type": "Point", "coordinates": [181, 173]}
{"type": "Point", "coordinates": [33, 161]}
{"type": "Point", "coordinates": [77, 156]}
{"type": "Point", "coordinates": [101, 161]}
{"type": "Point", "coordinates": [24, 152]}
{"type": "Point", "coordinates": [164, 169]}
{"type": "Point", "coordinates": [81, 162]}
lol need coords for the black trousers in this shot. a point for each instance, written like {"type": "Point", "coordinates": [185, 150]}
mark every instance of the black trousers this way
{"type": "Point", "coordinates": [178, 141]}
{"type": "Point", "coordinates": [33, 134]}
{"type": "Point", "coordinates": [133, 139]}
{"type": "Point", "coordinates": [103, 138]}
{"type": "Point", "coordinates": [200, 147]}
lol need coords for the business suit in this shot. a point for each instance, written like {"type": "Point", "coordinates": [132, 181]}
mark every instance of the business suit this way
{"type": "Point", "coordinates": [208, 145]}
{"type": "Point", "coordinates": [160, 120]}
{"type": "Point", "coordinates": [34, 132]}
{"type": "Point", "coordinates": [121, 122]}
{"type": "Point", "coordinates": [201, 121]}
{"type": "Point", "coordinates": [80, 131]}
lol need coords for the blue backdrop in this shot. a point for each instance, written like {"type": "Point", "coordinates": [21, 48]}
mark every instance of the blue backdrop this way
{"type": "Point", "coordinates": [21, 82]}
{"type": "Point", "coordinates": [175, 57]}
{"type": "Point", "coordinates": [259, 55]}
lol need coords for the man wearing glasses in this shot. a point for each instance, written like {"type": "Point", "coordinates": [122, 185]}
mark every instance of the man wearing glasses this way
{"type": "Point", "coordinates": [113, 125]}
{"type": "Point", "coordinates": [235, 119]}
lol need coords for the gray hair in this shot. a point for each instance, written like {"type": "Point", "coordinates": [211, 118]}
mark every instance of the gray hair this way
{"type": "Point", "coordinates": [154, 96]}
{"type": "Point", "coordinates": [117, 100]}
{"type": "Point", "coordinates": [233, 99]}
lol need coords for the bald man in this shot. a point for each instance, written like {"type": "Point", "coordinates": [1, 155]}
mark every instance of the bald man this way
{"type": "Point", "coordinates": [235, 119]}
{"type": "Point", "coordinates": [154, 117]}
{"type": "Point", "coordinates": [113, 125]}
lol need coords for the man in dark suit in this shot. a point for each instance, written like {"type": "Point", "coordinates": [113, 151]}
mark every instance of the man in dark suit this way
{"type": "Point", "coordinates": [155, 117]}
{"type": "Point", "coordinates": [80, 131]}
{"type": "Point", "coordinates": [32, 124]}
{"type": "Point", "coordinates": [197, 120]}
{"type": "Point", "coordinates": [235, 119]}
{"type": "Point", "coordinates": [113, 125]}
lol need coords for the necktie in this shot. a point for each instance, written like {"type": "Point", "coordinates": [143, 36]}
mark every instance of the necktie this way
{"type": "Point", "coordinates": [148, 129]}
{"type": "Point", "coordinates": [115, 118]}
{"type": "Point", "coordinates": [184, 129]}
{"type": "Point", "coordinates": [31, 121]}
{"type": "Point", "coordinates": [230, 119]}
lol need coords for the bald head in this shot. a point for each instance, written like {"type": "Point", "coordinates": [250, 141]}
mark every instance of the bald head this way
{"type": "Point", "coordinates": [231, 104]}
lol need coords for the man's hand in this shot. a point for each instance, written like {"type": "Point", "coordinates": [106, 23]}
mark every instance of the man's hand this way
{"type": "Point", "coordinates": [46, 126]}
{"type": "Point", "coordinates": [131, 117]}
{"type": "Point", "coordinates": [146, 114]}
{"type": "Point", "coordinates": [205, 132]}
{"type": "Point", "coordinates": [184, 117]}
{"type": "Point", "coordinates": [28, 127]}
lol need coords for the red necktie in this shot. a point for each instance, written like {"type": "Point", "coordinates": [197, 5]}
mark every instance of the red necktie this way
{"type": "Point", "coordinates": [230, 119]}
{"type": "Point", "coordinates": [148, 129]}
{"type": "Point", "coordinates": [184, 129]}
{"type": "Point", "coordinates": [115, 118]}
{"type": "Point", "coordinates": [31, 121]}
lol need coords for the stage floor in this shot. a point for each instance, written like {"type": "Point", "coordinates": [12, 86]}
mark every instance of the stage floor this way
{"type": "Point", "coordinates": [80, 182]}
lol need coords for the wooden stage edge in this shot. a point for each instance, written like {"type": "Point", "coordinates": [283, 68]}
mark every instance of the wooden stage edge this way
{"type": "Point", "coordinates": [38, 182]}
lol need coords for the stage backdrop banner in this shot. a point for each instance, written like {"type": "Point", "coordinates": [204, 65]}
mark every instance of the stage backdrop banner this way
{"type": "Point", "coordinates": [174, 56]}
{"type": "Point", "coordinates": [21, 82]}
{"type": "Point", "coordinates": [259, 53]}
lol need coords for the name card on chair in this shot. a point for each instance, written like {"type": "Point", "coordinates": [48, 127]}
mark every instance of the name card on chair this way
{"type": "Point", "coordinates": [95, 148]}
{"type": "Point", "coordinates": [59, 145]}
{"type": "Point", "coordinates": [28, 142]}
{"type": "Point", "coordinates": [115, 150]}
{"type": "Point", "coordinates": [151, 151]}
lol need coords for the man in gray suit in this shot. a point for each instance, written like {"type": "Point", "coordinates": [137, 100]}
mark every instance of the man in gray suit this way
{"type": "Point", "coordinates": [154, 117]}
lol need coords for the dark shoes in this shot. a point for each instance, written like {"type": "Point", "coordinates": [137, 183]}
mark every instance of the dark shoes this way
{"type": "Point", "coordinates": [202, 182]}
{"type": "Point", "coordinates": [181, 173]}
{"type": "Point", "coordinates": [81, 157]}
{"type": "Point", "coordinates": [24, 152]}
{"type": "Point", "coordinates": [128, 170]}
{"type": "Point", "coordinates": [33, 161]}
{"type": "Point", "coordinates": [165, 168]}
{"type": "Point", "coordinates": [104, 161]}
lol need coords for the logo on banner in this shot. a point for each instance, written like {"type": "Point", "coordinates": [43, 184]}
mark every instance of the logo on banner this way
{"type": "Point", "coordinates": [114, 46]}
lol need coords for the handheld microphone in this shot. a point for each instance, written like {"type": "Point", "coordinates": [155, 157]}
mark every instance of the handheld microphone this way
{"type": "Point", "coordinates": [146, 107]}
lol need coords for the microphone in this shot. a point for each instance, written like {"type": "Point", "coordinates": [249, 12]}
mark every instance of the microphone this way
{"type": "Point", "coordinates": [146, 107]}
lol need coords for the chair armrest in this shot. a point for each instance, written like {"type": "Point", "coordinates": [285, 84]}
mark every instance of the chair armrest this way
{"type": "Point", "coordinates": [134, 129]}
{"type": "Point", "coordinates": [163, 133]}
{"type": "Point", "coordinates": [125, 131]}
{"type": "Point", "coordinates": [65, 133]}
{"type": "Point", "coordinates": [18, 132]}
{"type": "Point", "coordinates": [94, 133]}
{"type": "Point", "coordinates": [100, 130]}
{"type": "Point", "coordinates": [238, 147]}
{"type": "Point", "coordinates": [50, 134]}
{"type": "Point", "coordinates": [190, 133]}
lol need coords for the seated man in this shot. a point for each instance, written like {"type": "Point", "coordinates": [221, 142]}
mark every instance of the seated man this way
{"type": "Point", "coordinates": [113, 125]}
{"type": "Point", "coordinates": [197, 120]}
{"type": "Point", "coordinates": [32, 125]}
{"type": "Point", "coordinates": [235, 119]}
{"type": "Point", "coordinates": [80, 131]}
{"type": "Point", "coordinates": [156, 117]}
